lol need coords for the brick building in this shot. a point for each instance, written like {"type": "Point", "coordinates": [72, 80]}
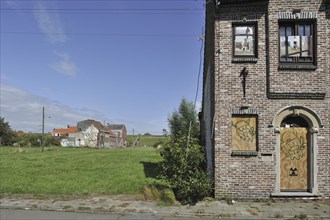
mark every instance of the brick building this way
{"type": "Point", "coordinates": [265, 115]}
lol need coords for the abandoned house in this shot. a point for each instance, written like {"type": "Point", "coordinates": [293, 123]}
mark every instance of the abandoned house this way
{"type": "Point", "coordinates": [120, 131]}
{"type": "Point", "coordinates": [92, 133]}
{"type": "Point", "coordinates": [265, 109]}
{"type": "Point", "coordinates": [66, 135]}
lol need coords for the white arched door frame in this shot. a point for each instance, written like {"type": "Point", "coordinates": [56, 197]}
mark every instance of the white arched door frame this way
{"type": "Point", "coordinates": [315, 123]}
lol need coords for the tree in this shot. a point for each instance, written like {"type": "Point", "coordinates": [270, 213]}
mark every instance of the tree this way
{"type": "Point", "coordinates": [7, 135]}
{"type": "Point", "coordinates": [184, 121]}
{"type": "Point", "coordinates": [29, 139]}
{"type": "Point", "coordinates": [52, 141]}
{"type": "Point", "coordinates": [184, 169]}
{"type": "Point", "coordinates": [184, 160]}
{"type": "Point", "coordinates": [165, 133]}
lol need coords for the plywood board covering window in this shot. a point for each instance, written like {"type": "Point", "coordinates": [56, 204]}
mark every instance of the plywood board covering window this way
{"type": "Point", "coordinates": [244, 133]}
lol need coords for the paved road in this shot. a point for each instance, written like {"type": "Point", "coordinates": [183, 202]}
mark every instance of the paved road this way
{"type": "Point", "coordinates": [14, 214]}
{"type": "Point", "coordinates": [123, 208]}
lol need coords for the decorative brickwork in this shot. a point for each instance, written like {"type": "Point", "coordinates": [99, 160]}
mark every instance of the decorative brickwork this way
{"type": "Point", "coordinates": [272, 93]}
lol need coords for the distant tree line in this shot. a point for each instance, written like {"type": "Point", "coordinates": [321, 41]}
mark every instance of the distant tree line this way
{"type": "Point", "coordinates": [8, 137]}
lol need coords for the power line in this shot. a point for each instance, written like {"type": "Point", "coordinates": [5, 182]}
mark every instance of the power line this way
{"type": "Point", "coordinates": [201, 38]}
{"type": "Point", "coordinates": [200, 66]}
{"type": "Point", "coordinates": [121, 12]}
{"type": "Point", "coordinates": [100, 9]}
{"type": "Point", "coordinates": [103, 0]}
{"type": "Point", "coordinates": [114, 13]}
{"type": "Point", "coordinates": [102, 34]}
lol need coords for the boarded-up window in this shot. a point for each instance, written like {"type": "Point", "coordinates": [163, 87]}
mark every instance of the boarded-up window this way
{"type": "Point", "coordinates": [244, 133]}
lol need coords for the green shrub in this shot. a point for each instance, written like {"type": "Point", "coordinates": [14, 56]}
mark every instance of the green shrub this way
{"type": "Point", "coordinates": [184, 169]}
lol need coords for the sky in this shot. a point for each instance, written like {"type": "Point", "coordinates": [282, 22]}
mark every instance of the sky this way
{"type": "Point", "coordinates": [115, 61]}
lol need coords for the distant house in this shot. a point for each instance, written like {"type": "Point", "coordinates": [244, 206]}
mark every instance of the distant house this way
{"type": "Point", "coordinates": [66, 135]}
{"type": "Point", "coordinates": [64, 131]}
{"type": "Point", "coordinates": [92, 133]}
{"type": "Point", "coordinates": [120, 131]}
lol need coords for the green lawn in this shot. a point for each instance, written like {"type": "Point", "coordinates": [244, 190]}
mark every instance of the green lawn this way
{"type": "Point", "coordinates": [147, 141]}
{"type": "Point", "coordinates": [77, 171]}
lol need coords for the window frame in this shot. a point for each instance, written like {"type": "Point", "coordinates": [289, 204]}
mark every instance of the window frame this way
{"type": "Point", "coordinates": [240, 57]}
{"type": "Point", "coordinates": [297, 63]}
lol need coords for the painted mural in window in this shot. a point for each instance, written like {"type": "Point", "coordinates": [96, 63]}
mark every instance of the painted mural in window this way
{"type": "Point", "coordinates": [244, 40]}
{"type": "Point", "coordinates": [296, 43]}
{"type": "Point", "coordinates": [244, 132]}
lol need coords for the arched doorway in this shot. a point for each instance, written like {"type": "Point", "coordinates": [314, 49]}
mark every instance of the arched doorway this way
{"type": "Point", "coordinates": [296, 151]}
{"type": "Point", "coordinates": [295, 154]}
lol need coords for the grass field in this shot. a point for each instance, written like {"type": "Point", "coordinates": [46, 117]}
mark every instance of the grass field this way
{"type": "Point", "coordinates": [147, 141]}
{"type": "Point", "coordinates": [76, 171]}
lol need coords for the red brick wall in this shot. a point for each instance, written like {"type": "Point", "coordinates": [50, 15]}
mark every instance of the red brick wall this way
{"type": "Point", "coordinates": [255, 176]}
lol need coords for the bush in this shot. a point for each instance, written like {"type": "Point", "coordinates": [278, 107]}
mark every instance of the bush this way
{"type": "Point", "coordinates": [184, 168]}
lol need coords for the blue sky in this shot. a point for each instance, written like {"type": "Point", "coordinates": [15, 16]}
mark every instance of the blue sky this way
{"type": "Point", "coordinates": [116, 61]}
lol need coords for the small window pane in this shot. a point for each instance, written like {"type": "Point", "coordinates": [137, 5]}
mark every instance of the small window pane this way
{"type": "Point", "coordinates": [301, 30]}
{"type": "Point", "coordinates": [306, 46]}
{"type": "Point", "coordinates": [283, 46]}
{"type": "Point", "coordinates": [244, 30]}
{"type": "Point", "coordinates": [308, 30]}
{"type": "Point", "coordinates": [293, 46]}
{"type": "Point", "coordinates": [287, 59]}
{"type": "Point", "coordinates": [244, 45]}
{"type": "Point", "coordinates": [282, 31]}
{"type": "Point", "coordinates": [289, 31]}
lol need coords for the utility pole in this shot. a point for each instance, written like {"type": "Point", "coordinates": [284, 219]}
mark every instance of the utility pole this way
{"type": "Point", "coordinates": [43, 129]}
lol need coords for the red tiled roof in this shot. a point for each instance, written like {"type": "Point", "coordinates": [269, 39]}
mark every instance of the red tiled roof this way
{"type": "Point", "coordinates": [70, 129]}
{"type": "Point", "coordinates": [20, 133]}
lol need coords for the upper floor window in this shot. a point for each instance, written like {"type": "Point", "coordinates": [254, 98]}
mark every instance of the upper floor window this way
{"type": "Point", "coordinates": [244, 41]}
{"type": "Point", "coordinates": [297, 45]}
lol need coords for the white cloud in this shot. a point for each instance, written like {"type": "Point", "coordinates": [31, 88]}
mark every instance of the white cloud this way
{"type": "Point", "coordinates": [49, 24]}
{"type": "Point", "coordinates": [65, 65]}
{"type": "Point", "coordinates": [23, 111]}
